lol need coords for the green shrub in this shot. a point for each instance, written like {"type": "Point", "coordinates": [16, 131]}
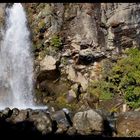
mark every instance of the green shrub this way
{"type": "Point", "coordinates": [124, 78]}
{"type": "Point", "coordinates": [101, 89]}
{"type": "Point", "coordinates": [42, 24]}
{"type": "Point", "coordinates": [56, 42]}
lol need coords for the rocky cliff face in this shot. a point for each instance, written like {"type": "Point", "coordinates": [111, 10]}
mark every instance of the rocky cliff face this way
{"type": "Point", "coordinates": [73, 42]}
{"type": "Point", "coordinates": [79, 38]}
{"type": "Point", "coordinates": [122, 20]}
{"type": "Point", "coordinates": [105, 25]}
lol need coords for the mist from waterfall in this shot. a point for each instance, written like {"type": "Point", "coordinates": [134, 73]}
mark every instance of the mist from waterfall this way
{"type": "Point", "coordinates": [16, 62]}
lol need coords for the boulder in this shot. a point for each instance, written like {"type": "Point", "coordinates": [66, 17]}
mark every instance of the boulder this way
{"type": "Point", "coordinates": [42, 121]}
{"type": "Point", "coordinates": [48, 63]}
{"type": "Point", "coordinates": [48, 69]}
{"type": "Point", "coordinates": [20, 117]}
{"type": "Point", "coordinates": [71, 96]}
{"type": "Point", "coordinates": [88, 122]}
{"type": "Point", "coordinates": [128, 124]}
{"type": "Point", "coordinates": [82, 80]}
{"type": "Point", "coordinates": [77, 77]}
{"type": "Point", "coordinates": [6, 113]}
{"type": "Point", "coordinates": [85, 56]}
{"type": "Point", "coordinates": [62, 123]}
{"type": "Point", "coordinates": [71, 73]}
{"type": "Point", "coordinates": [15, 111]}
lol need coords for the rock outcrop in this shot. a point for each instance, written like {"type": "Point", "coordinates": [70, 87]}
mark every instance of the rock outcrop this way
{"type": "Point", "coordinates": [88, 34]}
{"type": "Point", "coordinates": [122, 21]}
{"type": "Point", "coordinates": [45, 122]}
{"type": "Point", "coordinates": [88, 122]}
{"type": "Point", "coordinates": [48, 69]}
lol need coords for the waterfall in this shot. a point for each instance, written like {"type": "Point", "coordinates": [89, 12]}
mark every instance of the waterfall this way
{"type": "Point", "coordinates": [16, 61]}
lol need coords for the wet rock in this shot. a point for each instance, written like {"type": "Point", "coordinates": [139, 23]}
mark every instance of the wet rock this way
{"type": "Point", "coordinates": [88, 122]}
{"type": "Point", "coordinates": [128, 124]}
{"type": "Point", "coordinates": [1, 115]}
{"type": "Point", "coordinates": [15, 111]}
{"type": "Point", "coordinates": [7, 112]}
{"type": "Point", "coordinates": [42, 121]}
{"type": "Point", "coordinates": [18, 117]}
{"type": "Point", "coordinates": [29, 111]}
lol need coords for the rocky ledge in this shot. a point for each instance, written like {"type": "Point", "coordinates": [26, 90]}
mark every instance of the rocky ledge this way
{"type": "Point", "coordinates": [47, 122]}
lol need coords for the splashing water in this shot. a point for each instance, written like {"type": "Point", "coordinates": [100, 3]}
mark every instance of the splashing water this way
{"type": "Point", "coordinates": [16, 62]}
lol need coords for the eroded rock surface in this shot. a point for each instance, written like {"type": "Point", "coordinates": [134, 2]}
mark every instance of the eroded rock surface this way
{"type": "Point", "coordinates": [88, 122]}
{"type": "Point", "coordinates": [128, 124]}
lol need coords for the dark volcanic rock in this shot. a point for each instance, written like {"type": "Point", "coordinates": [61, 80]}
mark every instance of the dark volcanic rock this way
{"type": "Point", "coordinates": [18, 116]}
{"type": "Point", "coordinates": [88, 122]}
{"type": "Point", "coordinates": [6, 112]}
{"type": "Point", "coordinates": [87, 56]}
{"type": "Point", "coordinates": [41, 121]}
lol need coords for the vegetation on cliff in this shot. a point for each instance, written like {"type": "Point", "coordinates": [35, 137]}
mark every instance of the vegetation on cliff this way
{"type": "Point", "coordinates": [123, 78]}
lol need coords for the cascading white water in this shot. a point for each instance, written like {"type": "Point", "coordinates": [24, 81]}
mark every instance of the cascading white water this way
{"type": "Point", "coordinates": [16, 62]}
